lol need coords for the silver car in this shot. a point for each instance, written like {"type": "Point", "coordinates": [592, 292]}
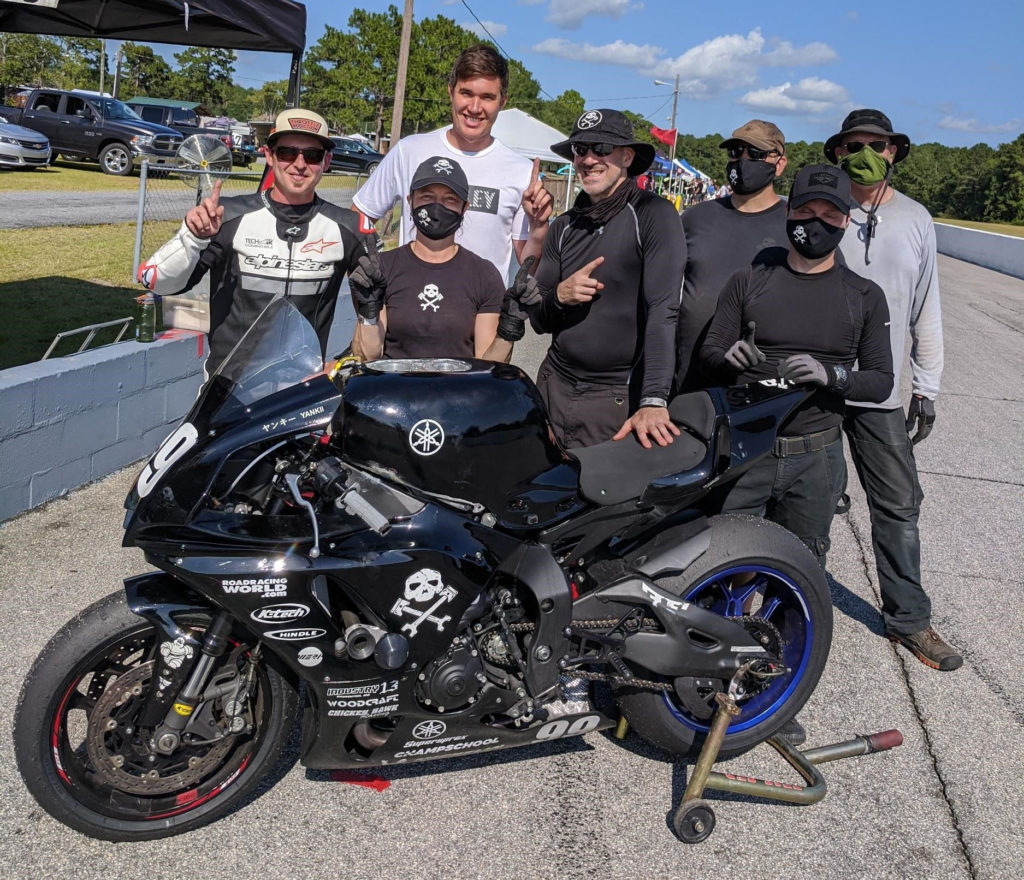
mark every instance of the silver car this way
{"type": "Point", "coordinates": [22, 147]}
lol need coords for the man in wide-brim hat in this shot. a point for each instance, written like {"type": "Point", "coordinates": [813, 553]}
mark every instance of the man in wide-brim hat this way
{"type": "Point", "coordinates": [891, 241]}
{"type": "Point", "coordinates": [610, 275]}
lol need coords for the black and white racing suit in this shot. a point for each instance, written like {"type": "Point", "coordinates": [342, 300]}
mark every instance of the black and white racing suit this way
{"type": "Point", "coordinates": [264, 249]}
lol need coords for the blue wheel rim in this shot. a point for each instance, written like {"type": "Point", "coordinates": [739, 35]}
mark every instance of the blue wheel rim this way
{"type": "Point", "coordinates": [784, 605]}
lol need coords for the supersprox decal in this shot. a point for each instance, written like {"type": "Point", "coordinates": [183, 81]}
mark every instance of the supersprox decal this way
{"type": "Point", "coordinates": [417, 749]}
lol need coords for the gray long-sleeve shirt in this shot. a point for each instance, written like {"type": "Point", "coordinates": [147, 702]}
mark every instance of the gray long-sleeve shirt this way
{"type": "Point", "coordinates": [903, 264]}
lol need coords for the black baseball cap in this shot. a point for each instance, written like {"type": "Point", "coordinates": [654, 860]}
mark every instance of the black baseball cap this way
{"type": "Point", "coordinates": [438, 169]}
{"type": "Point", "coordinates": [607, 127]}
{"type": "Point", "coordinates": [821, 182]}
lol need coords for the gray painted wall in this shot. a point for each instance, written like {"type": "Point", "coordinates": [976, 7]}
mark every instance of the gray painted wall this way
{"type": "Point", "coordinates": [1004, 253]}
{"type": "Point", "coordinates": [71, 420]}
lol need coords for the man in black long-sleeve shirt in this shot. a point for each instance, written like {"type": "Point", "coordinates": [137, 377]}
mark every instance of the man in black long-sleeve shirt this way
{"type": "Point", "coordinates": [814, 318]}
{"type": "Point", "coordinates": [610, 277]}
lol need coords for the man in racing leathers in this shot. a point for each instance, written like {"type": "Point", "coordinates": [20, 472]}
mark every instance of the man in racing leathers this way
{"type": "Point", "coordinates": [282, 242]}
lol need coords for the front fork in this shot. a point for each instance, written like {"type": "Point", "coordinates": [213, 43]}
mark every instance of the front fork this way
{"type": "Point", "coordinates": [167, 734]}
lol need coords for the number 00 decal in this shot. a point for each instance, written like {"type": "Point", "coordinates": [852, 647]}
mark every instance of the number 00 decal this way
{"type": "Point", "coordinates": [173, 448]}
{"type": "Point", "coordinates": [561, 727]}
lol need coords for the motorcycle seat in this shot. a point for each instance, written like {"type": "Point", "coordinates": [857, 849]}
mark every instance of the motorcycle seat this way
{"type": "Point", "coordinates": [619, 470]}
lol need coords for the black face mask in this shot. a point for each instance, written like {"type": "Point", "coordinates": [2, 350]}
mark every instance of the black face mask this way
{"type": "Point", "coordinates": [436, 221]}
{"type": "Point", "coordinates": [814, 238]}
{"type": "Point", "coordinates": [747, 176]}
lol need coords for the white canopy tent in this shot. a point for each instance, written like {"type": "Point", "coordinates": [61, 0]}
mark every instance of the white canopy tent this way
{"type": "Point", "coordinates": [527, 136]}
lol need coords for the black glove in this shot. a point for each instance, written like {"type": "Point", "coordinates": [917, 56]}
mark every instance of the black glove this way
{"type": "Point", "coordinates": [367, 283]}
{"type": "Point", "coordinates": [744, 354]}
{"type": "Point", "coordinates": [523, 292]}
{"type": "Point", "coordinates": [920, 415]}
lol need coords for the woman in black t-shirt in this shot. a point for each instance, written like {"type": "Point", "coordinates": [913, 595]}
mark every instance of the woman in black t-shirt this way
{"type": "Point", "coordinates": [431, 297]}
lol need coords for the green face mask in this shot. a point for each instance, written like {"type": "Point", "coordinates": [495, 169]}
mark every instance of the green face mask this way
{"type": "Point", "coordinates": [866, 167]}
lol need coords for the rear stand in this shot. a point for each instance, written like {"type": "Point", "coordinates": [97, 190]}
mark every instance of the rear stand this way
{"type": "Point", "coordinates": [694, 820]}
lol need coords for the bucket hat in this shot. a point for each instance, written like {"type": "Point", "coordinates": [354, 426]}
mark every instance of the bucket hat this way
{"type": "Point", "coordinates": [607, 127]}
{"type": "Point", "coordinates": [869, 122]}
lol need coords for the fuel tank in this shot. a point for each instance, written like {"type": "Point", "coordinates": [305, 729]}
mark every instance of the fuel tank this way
{"type": "Point", "coordinates": [472, 432]}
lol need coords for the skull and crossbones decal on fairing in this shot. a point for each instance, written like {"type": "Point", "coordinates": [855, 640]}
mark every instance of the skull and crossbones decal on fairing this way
{"type": "Point", "coordinates": [424, 586]}
{"type": "Point", "coordinates": [430, 297]}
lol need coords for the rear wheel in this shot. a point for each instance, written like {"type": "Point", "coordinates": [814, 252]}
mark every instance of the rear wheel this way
{"type": "Point", "coordinates": [88, 763]}
{"type": "Point", "coordinates": [765, 577]}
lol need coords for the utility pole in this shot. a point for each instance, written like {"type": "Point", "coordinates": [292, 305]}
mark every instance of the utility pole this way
{"type": "Point", "coordinates": [403, 69]}
{"type": "Point", "coordinates": [675, 132]}
{"type": "Point", "coordinates": [103, 62]}
{"type": "Point", "coordinates": [117, 68]}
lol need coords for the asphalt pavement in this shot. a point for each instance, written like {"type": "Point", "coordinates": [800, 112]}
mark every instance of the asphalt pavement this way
{"type": "Point", "coordinates": [947, 804]}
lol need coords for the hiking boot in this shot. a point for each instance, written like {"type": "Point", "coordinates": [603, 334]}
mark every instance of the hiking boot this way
{"type": "Point", "coordinates": [928, 646]}
{"type": "Point", "coordinates": [793, 732]}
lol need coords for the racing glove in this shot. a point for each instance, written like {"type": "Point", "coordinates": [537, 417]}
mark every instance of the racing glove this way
{"type": "Point", "coordinates": [744, 354]}
{"type": "Point", "coordinates": [523, 292]}
{"type": "Point", "coordinates": [367, 283]}
{"type": "Point", "coordinates": [920, 415]}
{"type": "Point", "coordinates": [802, 369]}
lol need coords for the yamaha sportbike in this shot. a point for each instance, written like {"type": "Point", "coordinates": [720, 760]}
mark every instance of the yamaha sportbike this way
{"type": "Point", "coordinates": [407, 542]}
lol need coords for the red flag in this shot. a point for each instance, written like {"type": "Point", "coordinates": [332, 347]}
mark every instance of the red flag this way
{"type": "Point", "coordinates": [666, 135]}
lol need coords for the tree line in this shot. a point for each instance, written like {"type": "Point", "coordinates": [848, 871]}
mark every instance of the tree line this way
{"type": "Point", "coordinates": [349, 77]}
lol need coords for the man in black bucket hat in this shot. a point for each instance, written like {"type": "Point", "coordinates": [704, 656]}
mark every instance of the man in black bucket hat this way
{"type": "Point", "coordinates": [610, 277]}
{"type": "Point", "coordinates": [891, 240]}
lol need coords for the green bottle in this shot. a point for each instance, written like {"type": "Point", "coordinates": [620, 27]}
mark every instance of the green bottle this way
{"type": "Point", "coordinates": [145, 320]}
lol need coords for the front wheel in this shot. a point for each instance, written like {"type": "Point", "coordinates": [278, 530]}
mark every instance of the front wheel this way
{"type": "Point", "coordinates": [89, 764]}
{"type": "Point", "coordinates": [116, 158]}
{"type": "Point", "coordinates": [762, 575]}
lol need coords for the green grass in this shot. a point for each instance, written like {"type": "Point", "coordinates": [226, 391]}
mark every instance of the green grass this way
{"type": "Point", "coordinates": [1003, 228]}
{"type": "Point", "coordinates": [95, 285]}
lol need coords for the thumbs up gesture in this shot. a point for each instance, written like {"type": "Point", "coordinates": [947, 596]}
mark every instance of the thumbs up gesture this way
{"type": "Point", "coordinates": [744, 354]}
{"type": "Point", "coordinates": [203, 221]}
{"type": "Point", "coordinates": [537, 201]}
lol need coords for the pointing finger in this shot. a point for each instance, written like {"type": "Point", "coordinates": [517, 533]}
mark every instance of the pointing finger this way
{"type": "Point", "coordinates": [535, 174]}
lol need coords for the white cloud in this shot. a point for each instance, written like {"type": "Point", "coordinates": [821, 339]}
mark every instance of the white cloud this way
{"type": "Point", "coordinates": [569, 14]}
{"type": "Point", "coordinates": [973, 126]}
{"type": "Point", "coordinates": [785, 54]}
{"type": "Point", "coordinates": [619, 53]}
{"type": "Point", "coordinates": [809, 97]}
{"type": "Point", "coordinates": [733, 61]}
{"type": "Point", "coordinates": [496, 30]}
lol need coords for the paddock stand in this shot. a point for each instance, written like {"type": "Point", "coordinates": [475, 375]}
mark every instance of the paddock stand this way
{"type": "Point", "coordinates": [694, 820]}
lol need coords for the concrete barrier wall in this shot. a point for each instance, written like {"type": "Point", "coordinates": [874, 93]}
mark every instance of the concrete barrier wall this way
{"type": "Point", "coordinates": [71, 420]}
{"type": "Point", "coordinates": [1003, 253]}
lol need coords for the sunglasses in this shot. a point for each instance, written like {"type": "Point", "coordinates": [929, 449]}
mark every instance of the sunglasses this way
{"type": "Point", "coordinates": [736, 151]}
{"type": "Point", "coordinates": [857, 146]}
{"type": "Point", "coordinates": [581, 150]}
{"type": "Point", "coordinates": [312, 155]}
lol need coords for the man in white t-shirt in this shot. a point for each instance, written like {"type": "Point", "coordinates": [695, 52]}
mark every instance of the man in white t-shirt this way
{"type": "Point", "coordinates": [508, 206]}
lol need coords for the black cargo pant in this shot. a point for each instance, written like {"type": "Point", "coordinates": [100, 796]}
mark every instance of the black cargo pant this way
{"type": "Point", "coordinates": [883, 457]}
{"type": "Point", "coordinates": [798, 490]}
{"type": "Point", "coordinates": [582, 413]}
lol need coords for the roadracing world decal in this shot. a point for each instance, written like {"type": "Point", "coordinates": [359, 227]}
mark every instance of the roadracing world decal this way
{"type": "Point", "coordinates": [268, 587]}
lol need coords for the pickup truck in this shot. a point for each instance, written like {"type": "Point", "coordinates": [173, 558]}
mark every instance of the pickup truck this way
{"type": "Point", "coordinates": [82, 125]}
{"type": "Point", "coordinates": [186, 121]}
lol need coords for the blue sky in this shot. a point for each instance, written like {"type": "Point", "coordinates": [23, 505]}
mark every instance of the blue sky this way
{"type": "Point", "coordinates": [945, 72]}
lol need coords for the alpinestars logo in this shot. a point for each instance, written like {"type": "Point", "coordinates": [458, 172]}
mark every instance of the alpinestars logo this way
{"type": "Point", "coordinates": [317, 246]}
{"type": "Point", "coordinates": [271, 261]}
{"type": "Point", "coordinates": [147, 275]}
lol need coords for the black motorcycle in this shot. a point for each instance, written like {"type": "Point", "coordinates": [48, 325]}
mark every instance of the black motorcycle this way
{"type": "Point", "coordinates": [407, 541]}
